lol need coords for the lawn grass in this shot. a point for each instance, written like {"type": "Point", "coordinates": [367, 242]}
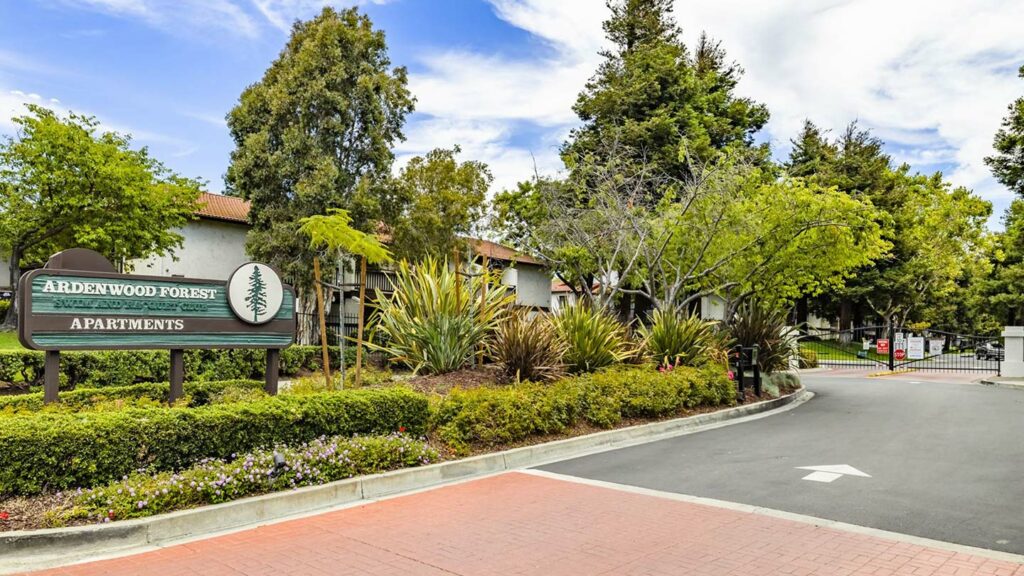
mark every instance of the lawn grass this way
{"type": "Point", "coordinates": [841, 351]}
{"type": "Point", "coordinates": [9, 341]}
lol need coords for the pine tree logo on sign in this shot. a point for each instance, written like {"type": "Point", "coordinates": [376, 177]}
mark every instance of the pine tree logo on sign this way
{"type": "Point", "coordinates": [257, 297]}
{"type": "Point", "coordinates": [255, 293]}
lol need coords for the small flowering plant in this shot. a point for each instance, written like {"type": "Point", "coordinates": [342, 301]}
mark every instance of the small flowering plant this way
{"type": "Point", "coordinates": [213, 481]}
{"type": "Point", "coordinates": [5, 516]}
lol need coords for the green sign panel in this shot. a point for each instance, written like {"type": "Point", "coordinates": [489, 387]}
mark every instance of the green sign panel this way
{"type": "Point", "coordinates": [72, 309]}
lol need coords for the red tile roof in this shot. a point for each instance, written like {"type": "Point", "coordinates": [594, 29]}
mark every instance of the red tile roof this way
{"type": "Point", "coordinates": [557, 287]}
{"type": "Point", "coordinates": [496, 251]}
{"type": "Point", "coordinates": [220, 207]}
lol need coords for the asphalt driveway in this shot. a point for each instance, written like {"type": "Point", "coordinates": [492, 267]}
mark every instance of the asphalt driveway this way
{"type": "Point", "coordinates": [946, 460]}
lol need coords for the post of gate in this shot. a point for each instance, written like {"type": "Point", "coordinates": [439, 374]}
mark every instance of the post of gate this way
{"type": "Point", "coordinates": [892, 341]}
{"type": "Point", "coordinates": [1012, 365]}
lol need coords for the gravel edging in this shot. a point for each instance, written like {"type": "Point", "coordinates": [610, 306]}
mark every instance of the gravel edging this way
{"type": "Point", "coordinates": [37, 549]}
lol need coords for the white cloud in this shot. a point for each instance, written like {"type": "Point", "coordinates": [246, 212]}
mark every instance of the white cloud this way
{"type": "Point", "coordinates": [484, 141]}
{"type": "Point", "coordinates": [932, 78]}
{"type": "Point", "coordinates": [282, 13]}
{"type": "Point", "coordinates": [179, 15]}
{"type": "Point", "coordinates": [12, 104]}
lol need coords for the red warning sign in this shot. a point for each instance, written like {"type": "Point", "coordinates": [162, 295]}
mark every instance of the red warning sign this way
{"type": "Point", "coordinates": [899, 354]}
{"type": "Point", "coordinates": [882, 346]}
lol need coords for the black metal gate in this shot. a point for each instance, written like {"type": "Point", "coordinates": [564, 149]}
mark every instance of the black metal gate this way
{"type": "Point", "coordinates": [900, 348]}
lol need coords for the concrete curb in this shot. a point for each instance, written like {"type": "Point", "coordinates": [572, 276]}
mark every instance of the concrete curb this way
{"type": "Point", "coordinates": [1014, 383]}
{"type": "Point", "coordinates": [38, 549]}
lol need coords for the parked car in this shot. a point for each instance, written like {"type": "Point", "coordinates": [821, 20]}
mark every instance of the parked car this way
{"type": "Point", "coordinates": [989, 351]}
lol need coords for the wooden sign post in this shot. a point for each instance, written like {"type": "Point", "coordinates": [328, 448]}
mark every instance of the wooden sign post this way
{"type": "Point", "coordinates": [78, 301]}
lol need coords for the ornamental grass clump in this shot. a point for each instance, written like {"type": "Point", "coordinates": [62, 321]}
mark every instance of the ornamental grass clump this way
{"type": "Point", "coordinates": [212, 481]}
{"type": "Point", "coordinates": [593, 338]}
{"type": "Point", "coordinates": [437, 319]}
{"type": "Point", "coordinates": [754, 324]}
{"type": "Point", "coordinates": [528, 347]}
{"type": "Point", "coordinates": [672, 339]}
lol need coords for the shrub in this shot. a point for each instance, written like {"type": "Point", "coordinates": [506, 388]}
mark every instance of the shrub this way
{"type": "Point", "coordinates": [593, 338]}
{"type": "Point", "coordinates": [528, 348]}
{"type": "Point", "coordinates": [125, 367]}
{"type": "Point", "coordinates": [754, 324]}
{"type": "Point", "coordinates": [778, 383]}
{"type": "Point", "coordinates": [435, 320]}
{"type": "Point", "coordinates": [199, 394]}
{"type": "Point", "coordinates": [213, 481]}
{"type": "Point", "coordinates": [808, 358]}
{"type": "Point", "coordinates": [672, 339]}
{"type": "Point", "coordinates": [58, 451]}
{"type": "Point", "coordinates": [495, 416]}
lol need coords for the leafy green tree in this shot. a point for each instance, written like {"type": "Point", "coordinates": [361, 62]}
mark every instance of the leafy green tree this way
{"type": "Point", "coordinates": [936, 232]}
{"type": "Point", "coordinates": [66, 184]}
{"type": "Point", "coordinates": [1008, 163]}
{"type": "Point", "coordinates": [729, 231]}
{"type": "Point", "coordinates": [672, 106]}
{"type": "Point", "coordinates": [314, 134]}
{"type": "Point", "coordinates": [1001, 293]}
{"type": "Point", "coordinates": [444, 199]}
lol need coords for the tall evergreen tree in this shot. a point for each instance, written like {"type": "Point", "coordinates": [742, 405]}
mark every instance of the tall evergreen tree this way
{"type": "Point", "coordinates": [315, 134]}
{"type": "Point", "coordinates": [653, 95]}
{"type": "Point", "coordinates": [1008, 163]}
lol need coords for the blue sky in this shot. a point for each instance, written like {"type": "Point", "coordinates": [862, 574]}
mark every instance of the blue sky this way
{"type": "Point", "coordinates": [498, 77]}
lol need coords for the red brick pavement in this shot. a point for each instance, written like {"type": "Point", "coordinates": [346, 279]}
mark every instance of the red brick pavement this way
{"type": "Point", "coordinates": [518, 524]}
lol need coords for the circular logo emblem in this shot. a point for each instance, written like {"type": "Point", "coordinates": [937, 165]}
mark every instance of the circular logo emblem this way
{"type": "Point", "coordinates": [255, 293]}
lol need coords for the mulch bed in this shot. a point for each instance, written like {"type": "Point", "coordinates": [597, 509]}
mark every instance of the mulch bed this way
{"type": "Point", "coordinates": [26, 513]}
{"type": "Point", "coordinates": [477, 377]}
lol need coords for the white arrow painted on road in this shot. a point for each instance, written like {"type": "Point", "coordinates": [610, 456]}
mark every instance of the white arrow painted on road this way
{"type": "Point", "coordinates": [831, 472]}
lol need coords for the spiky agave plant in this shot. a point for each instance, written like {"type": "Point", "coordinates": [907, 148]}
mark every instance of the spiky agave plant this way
{"type": "Point", "coordinates": [436, 320]}
{"type": "Point", "coordinates": [673, 339]}
{"type": "Point", "coordinates": [527, 347]}
{"type": "Point", "coordinates": [593, 338]}
{"type": "Point", "coordinates": [755, 324]}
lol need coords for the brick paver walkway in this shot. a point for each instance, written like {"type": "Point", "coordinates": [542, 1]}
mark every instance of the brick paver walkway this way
{"type": "Point", "coordinates": [524, 524]}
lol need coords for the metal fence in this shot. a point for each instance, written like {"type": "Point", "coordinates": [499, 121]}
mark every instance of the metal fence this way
{"type": "Point", "coordinates": [895, 348]}
{"type": "Point", "coordinates": [308, 328]}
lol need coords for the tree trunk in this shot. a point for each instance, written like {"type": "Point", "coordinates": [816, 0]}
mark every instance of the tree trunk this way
{"type": "Point", "coordinates": [359, 320]}
{"type": "Point", "coordinates": [802, 314]}
{"type": "Point", "coordinates": [626, 308]}
{"type": "Point", "coordinates": [845, 315]}
{"type": "Point", "coordinates": [323, 322]}
{"type": "Point", "coordinates": [11, 320]}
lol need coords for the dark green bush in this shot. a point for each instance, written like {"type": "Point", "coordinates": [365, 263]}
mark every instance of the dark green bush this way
{"type": "Point", "coordinates": [59, 451]}
{"type": "Point", "coordinates": [492, 416]}
{"type": "Point", "coordinates": [125, 367]}
{"type": "Point", "coordinates": [200, 394]}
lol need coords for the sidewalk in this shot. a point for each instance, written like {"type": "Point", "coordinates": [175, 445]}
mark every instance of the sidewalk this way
{"type": "Point", "coordinates": [523, 524]}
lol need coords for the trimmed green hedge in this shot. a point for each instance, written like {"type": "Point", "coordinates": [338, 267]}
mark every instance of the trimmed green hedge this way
{"type": "Point", "coordinates": [59, 451]}
{"type": "Point", "coordinates": [491, 416]}
{"type": "Point", "coordinates": [122, 368]}
{"type": "Point", "coordinates": [79, 398]}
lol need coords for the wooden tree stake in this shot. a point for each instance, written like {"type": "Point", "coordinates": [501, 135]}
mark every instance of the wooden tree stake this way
{"type": "Point", "coordinates": [323, 321]}
{"type": "Point", "coordinates": [359, 321]}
